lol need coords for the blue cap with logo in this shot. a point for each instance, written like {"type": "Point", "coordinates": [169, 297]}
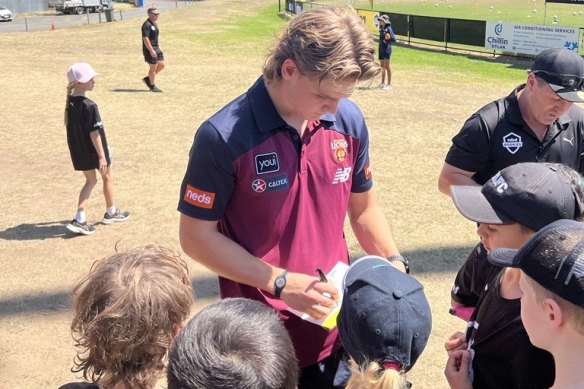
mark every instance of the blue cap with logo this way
{"type": "Point", "coordinates": [385, 316]}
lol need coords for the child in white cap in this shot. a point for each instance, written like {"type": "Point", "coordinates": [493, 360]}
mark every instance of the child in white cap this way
{"type": "Point", "coordinates": [88, 147]}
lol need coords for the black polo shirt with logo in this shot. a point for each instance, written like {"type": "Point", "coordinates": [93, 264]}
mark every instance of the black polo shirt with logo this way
{"type": "Point", "coordinates": [497, 136]}
{"type": "Point", "coordinates": [282, 197]}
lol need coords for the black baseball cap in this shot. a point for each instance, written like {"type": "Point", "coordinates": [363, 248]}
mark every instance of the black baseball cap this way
{"type": "Point", "coordinates": [529, 193]}
{"type": "Point", "coordinates": [554, 258]}
{"type": "Point", "coordinates": [384, 316]}
{"type": "Point", "coordinates": [563, 70]}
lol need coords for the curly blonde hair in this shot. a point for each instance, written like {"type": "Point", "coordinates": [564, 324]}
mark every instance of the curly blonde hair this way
{"type": "Point", "coordinates": [127, 310]}
{"type": "Point", "coordinates": [325, 43]}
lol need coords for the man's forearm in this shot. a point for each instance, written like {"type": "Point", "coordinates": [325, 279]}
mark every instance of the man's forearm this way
{"type": "Point", "coordinates": [226, 258]}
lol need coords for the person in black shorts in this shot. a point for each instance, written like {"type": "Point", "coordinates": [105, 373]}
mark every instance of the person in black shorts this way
{"type": "Point", "coordinates": [88, 147]}
{"type": "Point", "coordinates": [151, 50]}
{"type": "Point", "coordinates": [386, 39]}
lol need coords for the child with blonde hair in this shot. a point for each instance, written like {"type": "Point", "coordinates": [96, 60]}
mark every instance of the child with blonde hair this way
{"type": "Point", "coordinates": [127, 311]}
{"type": "Point", "coordinates": [88, 147]}
{"type": "Point", "coordinates": [384, 323]}
{"type": "Point", "coordinates": [552, 304]}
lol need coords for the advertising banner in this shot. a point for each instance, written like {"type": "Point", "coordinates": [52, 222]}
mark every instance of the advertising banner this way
{"type": "Point", "coordinates": [566, 1]}
{"type": "Point", "coordinates": [529, 38]}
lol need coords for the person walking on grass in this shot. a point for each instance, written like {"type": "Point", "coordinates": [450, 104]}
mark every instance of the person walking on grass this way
{"type": "Point", "coordinates": [152, 53]}
{"type": "Point", "coordinates": [88, 147]}
{"type": "Point", "coordinates": [386, 39]}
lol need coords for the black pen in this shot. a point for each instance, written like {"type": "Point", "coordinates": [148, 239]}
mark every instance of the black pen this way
{"type": "Point", "coordinates": [321, 275]}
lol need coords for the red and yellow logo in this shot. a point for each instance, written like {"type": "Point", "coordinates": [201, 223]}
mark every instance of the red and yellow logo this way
{"type": "Point", "coordinates": [339, 149]}
{"type": "Point", "coordinates": [199, 198]}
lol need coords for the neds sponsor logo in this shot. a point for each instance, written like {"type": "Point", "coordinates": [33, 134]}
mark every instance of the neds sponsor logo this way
{"type": "Point", "coordinates": [198, 197]}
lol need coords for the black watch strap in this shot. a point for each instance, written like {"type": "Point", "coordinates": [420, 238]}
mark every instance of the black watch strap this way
{"type": "Point", "coordinates": [401, 259]}
{"type": "Point", "coordinates": [280, 283]}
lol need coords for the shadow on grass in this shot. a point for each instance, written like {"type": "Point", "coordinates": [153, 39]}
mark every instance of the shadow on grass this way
{"type": "Point", "coordinates": [204, 287]}
{"type": "Point", "coordinates": [207, 287]}
{"type": "Point", "coordinates": [38, 231]}
{"type": "Point", "coordinates": [129, 90]}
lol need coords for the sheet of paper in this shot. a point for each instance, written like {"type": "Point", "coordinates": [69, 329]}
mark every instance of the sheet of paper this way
{"type": "Point", "coordinates": [335, 276]}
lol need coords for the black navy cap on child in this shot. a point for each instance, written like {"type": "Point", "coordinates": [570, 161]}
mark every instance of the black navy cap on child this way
{"type": "Point", "coordinates": [385, 316]}
{"type": "Point", "coordinates": [529, 193]}
{"type": "Point", "coordinates": [554, 258]}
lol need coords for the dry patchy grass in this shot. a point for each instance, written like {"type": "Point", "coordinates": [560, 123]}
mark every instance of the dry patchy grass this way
{"type": "Point", "coordinates": [151, 134]}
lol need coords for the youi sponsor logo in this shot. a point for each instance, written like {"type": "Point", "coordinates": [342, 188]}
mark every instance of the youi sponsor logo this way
{"type": "Point", "coordinates": [267, 163]}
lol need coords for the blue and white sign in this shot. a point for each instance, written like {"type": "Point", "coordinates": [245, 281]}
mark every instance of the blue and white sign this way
{"type": "Point", "coordinates": [529, 38]}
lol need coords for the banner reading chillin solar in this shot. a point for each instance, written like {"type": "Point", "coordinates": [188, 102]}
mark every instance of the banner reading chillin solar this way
{"type": "Point", "coordinates": [566, 1]}
{"type": "Point", "coordinates": [529, 38]}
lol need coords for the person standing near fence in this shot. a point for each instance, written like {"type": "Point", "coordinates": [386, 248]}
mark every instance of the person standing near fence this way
{"type": "Point", "coordinates": [152, 53]}
{"type": "Point", "coordinates": [386, 39]}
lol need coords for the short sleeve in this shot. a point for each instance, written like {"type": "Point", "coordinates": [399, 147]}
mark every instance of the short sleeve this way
{"type": "Point", "coordinates": [93, 118]}
{"type": "Point", "coordinates": [209, 179]}
{"type": "Point", "coordinates": [362, 178]}
{"type": "Point", "coordinates": [472, 277]}
{"type": "Point", "coordinates": [470, 147]}
{"type": "Point", "coordinates": [146, 30]}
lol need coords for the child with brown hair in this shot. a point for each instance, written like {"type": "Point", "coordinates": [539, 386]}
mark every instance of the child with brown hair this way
{"type": "Point", "coordinates": [127, 311]}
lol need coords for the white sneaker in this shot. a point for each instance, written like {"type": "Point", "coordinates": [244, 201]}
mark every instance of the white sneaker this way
{"type": "Point", "coordinates": [386, 87]}
{"type": "Point", "coordinates": [381, 86]}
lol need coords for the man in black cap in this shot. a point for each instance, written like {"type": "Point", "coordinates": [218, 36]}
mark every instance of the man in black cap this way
{"type": "Point", "coordinates": [537, 122]}
{"type": "Point", "coordinates": [152, 53]}
{"type": "Point", "coordinates": [514, 204]}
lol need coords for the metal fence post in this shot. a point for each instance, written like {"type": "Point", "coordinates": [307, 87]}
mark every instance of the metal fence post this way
{"type": "Point", "coordinates": [87, 13]}
{"type": "Point", "coordinates": [25, 24]}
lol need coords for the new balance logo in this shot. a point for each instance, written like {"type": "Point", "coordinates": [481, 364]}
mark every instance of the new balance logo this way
{"type": "Point", "coordinates": [342, 175]}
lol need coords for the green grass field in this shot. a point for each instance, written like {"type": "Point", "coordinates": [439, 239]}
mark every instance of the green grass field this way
{"type": "Point", "coordinates": [214, 51]}
{"type": "Point", "coordinates": [520, 11]}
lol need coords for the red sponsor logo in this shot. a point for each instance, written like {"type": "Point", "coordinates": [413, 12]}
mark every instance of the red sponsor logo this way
{"type": "Point", "coordinates": [368, 172]}
{"type": "Point", "coordinates": [198, 197]}
{"type": "Point", "coordinates": [259, 185]}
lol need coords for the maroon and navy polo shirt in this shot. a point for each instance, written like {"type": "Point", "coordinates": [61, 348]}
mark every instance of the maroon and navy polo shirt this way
{"type": "Point", "coordinates": [282, 197]}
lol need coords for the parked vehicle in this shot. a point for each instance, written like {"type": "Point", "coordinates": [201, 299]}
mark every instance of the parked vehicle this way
{"type": "Point", "coordinates": [6, 14]}
{"type": "Point", "coordinates": [80, 6]}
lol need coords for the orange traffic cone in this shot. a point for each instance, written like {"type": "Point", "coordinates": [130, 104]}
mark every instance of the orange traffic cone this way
{"type": "Point", "coordinates": [53, 27]}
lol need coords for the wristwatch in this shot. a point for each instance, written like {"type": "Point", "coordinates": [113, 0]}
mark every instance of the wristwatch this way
{"type": "Point", "coordinates": [401, 259]}
{"type": "Point", "coordinates": [280, 283]}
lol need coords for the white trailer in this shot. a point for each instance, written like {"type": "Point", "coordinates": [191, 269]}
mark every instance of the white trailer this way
{"type": "Point", "coordinates": [80, 6]}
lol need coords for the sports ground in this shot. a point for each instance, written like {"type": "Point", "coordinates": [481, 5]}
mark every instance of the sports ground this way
{"type": "Point", "coordinates": [214, 51]}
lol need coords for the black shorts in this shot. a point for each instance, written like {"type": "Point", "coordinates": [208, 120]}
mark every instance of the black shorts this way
{"type": "Point", "coordinates": [148, 58]}
{"type": "Point", "coordinates": [386, 54]}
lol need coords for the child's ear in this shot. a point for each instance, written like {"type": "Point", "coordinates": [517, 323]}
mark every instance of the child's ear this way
{"type": "Point", "coordinates": [555, 316]}
{"type": "Point", "coordinates": [176, 330]}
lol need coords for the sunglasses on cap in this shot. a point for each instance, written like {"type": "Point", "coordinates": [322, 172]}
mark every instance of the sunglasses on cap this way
{"type": "Point", "coordinates": [567, 82]}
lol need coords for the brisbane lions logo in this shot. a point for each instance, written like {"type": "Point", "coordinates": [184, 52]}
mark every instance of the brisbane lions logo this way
{"type": "Point", "coordinates": [339, 149]}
